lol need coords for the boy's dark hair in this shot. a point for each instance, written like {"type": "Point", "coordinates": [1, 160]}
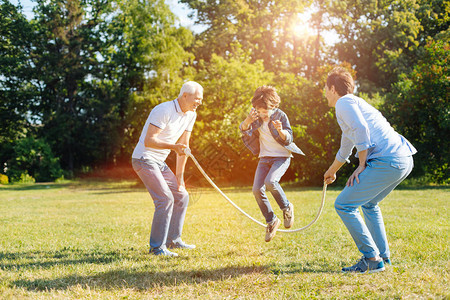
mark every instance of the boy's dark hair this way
{"type": "Point", "coordinates": [266, 97]}
{"type": "Point", "coordinates": [342, 81]}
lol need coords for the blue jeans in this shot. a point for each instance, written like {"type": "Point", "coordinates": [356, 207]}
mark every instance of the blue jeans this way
{"type": "Point", "coordinates": [267, 175]}
{"type": "Point", "coordinates": [170, 203]}
{"type": "Point", "coordinates": [379, 178]}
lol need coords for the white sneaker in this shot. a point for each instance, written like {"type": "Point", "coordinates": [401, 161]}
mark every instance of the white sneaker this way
{"type": "Point", "coordinates": [271, 229]}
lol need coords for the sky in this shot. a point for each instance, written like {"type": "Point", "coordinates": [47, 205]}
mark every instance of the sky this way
{"type": "Point", "coordinates": [180, 10]}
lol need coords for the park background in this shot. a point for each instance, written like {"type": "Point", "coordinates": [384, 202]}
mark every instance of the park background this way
{"type": "Point", "coordinates": [79, 78]}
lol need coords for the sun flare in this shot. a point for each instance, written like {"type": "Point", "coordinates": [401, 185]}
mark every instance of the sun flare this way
{"type": "Point", "coordinates": [301, 29]}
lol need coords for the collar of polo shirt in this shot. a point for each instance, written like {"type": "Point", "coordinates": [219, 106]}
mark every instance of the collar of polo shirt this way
{"type": "Point", "coordinates": [177, 107]}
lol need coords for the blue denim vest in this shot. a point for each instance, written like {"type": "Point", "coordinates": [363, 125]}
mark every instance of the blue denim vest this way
{"type": "Point", "coordinates": [250, 137]}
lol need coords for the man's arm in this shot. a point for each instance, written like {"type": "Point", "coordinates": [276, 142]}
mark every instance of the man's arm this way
{"type": "Point", "coordinates": [362, 155]}
{"type": "Point", "coordinates": [181, 160]}
{"type": "Point", "coordinates": [152, 141]}
{"type": "Point", "coordinates": [330, 175]}
{"type": "Point", "coordinates": [350, 114]}
{"type": "Point", "coordinates": [340, 159]}
{"type": "Point", "coordinates": [345, 150]}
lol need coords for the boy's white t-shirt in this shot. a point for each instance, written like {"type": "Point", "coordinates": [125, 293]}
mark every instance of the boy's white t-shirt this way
{"type": "Point", "coordinates": [169, 117]}
{"type": "Point", "coordinates": [268, 146]}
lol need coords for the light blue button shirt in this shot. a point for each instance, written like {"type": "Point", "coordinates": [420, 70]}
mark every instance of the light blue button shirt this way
{"type": "Point", "coordinates": [364, 127]}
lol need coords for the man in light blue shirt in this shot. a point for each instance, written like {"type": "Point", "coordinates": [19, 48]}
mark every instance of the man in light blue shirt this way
{"type": "Point", "coordinates": [385, 160]}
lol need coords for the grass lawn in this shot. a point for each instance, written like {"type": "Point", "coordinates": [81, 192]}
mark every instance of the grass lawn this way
{"type": "Point", "coordinates": [90, 240]}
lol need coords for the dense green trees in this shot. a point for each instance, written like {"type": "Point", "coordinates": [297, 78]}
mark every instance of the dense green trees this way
{"type": "Point", "coordinates": [381, 40]}
{"type": "Point", "coordinates": [81, 76]}
{"type": "Point", "coordinates": [77, 73]}
{"type": "Point", "coordinates": [419, 108]}
{"type": "Point", "coordinates": [14, 77]}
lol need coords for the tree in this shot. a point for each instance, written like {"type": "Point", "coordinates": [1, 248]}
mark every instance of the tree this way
{"type": "Point", "coordinates": [15, 44]}
{"type": "Point", "coordinates": [94, 62]}
{"type": "Point", "coordinates": [264, 29]}
{"type": "Point", "coordinates": [67, 51]}
{"type": "Point", "coordinates": [262, 33]}
{"type": "Point", "coordinates": [383, 39]}
{"type": "Point", "coordinates": [229, 86]}
{"type": "Point", "coordinates": [33, 157]}
{"type": "Point", "coordinates": [144, 65]}
{"type": "Point", "coordinates": [419, 108]}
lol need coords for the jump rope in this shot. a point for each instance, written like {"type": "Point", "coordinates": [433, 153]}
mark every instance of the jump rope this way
{"type": "Point", "coordinates": [188, 153]}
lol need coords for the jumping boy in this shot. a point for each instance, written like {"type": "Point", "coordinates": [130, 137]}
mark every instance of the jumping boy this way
{"type": "Point", "coordinates": [266, 132]}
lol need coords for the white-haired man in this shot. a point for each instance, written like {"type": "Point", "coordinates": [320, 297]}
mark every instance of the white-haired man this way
{"type": "Point", "coordinates": [168, 127]}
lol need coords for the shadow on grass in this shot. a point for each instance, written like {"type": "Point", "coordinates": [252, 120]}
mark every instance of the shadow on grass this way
{"type": "Point", "coordinates": [65, 256]}
{"type": "Point", "coordinates": [116, 191]}
{"type": "Point", "coordinates": [141, 278]}
{"type": "Point", "coordinates": [35, 186]}
{"type": "Point", "coordinates": [307, 267]}
{"type": "Point", "coordinates": [424, 187]}
{"type": "Point", "coordinates": [88, 185]}
{"type": "Point", "coordinates": [137, 279]}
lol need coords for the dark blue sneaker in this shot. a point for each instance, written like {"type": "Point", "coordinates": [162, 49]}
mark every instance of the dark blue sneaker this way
{"type": "Point", "coordinates": [163, 252]}
{"type": "Point", "coordinates": [365, 266]}
{"type": "Point", "coordinates": [179, 245]}
{"type": "Point", "coordinates": [387, 261]}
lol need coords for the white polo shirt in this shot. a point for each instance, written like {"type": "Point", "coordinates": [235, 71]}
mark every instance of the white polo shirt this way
{"type": "Point", "coordinates": [169, 117]}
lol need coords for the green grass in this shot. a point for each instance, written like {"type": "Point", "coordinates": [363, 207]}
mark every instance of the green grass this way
{"type": "Point", "coordinates": [89, 240]}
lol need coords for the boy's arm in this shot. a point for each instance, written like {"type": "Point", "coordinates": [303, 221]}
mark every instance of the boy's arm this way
{"type": "Point", "coordinates": [279, 127]}
{"type": "Point", "coordinates": [251, 117]}
{"type": "Point", "coordinates": [284, 129]}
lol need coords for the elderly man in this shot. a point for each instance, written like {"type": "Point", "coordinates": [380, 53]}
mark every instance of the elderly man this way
{"type": "Point", "coordinates": [385, 160]}
{"type": "Point", "coordinates": [168, 127]}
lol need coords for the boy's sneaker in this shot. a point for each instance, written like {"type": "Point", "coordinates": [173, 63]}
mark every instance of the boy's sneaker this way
{"type": "Point", "coordinates": [288, 216]}
{"type": "Point", "coordinates": [365, 266]}
{"type": "Point", "coordinates": [271, 229]}
{"type": "Point", "coordinates": [387, 261]}
{"type": "Point", "coordinates": [163, 252]}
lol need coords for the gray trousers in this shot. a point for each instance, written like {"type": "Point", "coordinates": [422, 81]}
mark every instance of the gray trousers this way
{"type": "Point", "coordinates": [170, 203]}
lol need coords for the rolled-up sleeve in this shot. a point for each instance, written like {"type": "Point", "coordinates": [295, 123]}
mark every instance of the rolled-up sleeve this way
{"type": "Point", "coordinates": [287, 129]}
{"type": "Point", "coordinates": [345, 150]}
{"type": "Point", "coordinates": [247, 132]}
{"type": "Point", "coordinates": [357, 129]}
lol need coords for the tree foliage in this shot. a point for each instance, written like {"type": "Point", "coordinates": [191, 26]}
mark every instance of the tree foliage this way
{"type": "Point", "coordinates": [34, 158]}
{"type": "Point", "coordinates": [80, 68]}
{"type": "Point", "coordinates": [264, 29]}
{"type": "Point", "coordinates": [229, 85]}
{"type": "Point", "coordinates": [383, 39]}
{"type": "Point", "coordinates": [419, 108]}
{"type": "Point", "coordinates": [82, 76]}
{"type": "Point", "coordinates": [15, 32]}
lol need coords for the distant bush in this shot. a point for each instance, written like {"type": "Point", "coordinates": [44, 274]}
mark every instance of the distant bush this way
{"type": "Point", "coordinates": [3, 179]}
{"type": "Point", "coordinates": [33, 158]}
{"type": "Point", "coordinates": [26, 178]}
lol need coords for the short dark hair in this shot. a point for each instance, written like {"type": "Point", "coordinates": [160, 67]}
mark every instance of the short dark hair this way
{"type": "Point", "coordinates": [342, 81]}
{"type": "Point", "coordinates": [266, 97]}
